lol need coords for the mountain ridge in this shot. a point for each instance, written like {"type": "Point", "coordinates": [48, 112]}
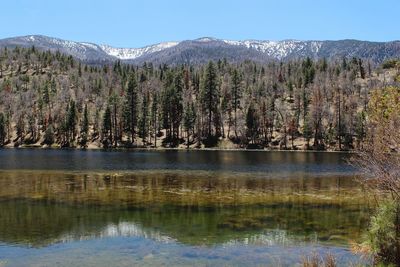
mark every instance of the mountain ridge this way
{"type": "Point", "coordinates": [203, 49]}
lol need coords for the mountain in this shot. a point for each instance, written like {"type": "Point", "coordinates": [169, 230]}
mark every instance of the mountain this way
{"type": "Point", "coordinates": [87, 52]}
{"type": "Point", "coordinates": [204, 49]}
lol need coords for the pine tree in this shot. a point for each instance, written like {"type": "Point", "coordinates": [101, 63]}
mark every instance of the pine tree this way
{"type": "Point", "coordinates": [84, 128]}
{"type": "Point", "coordinates": [236, 96]}
{"type": "Point", "coordinates": [144, 118]}
{"type": "Point", "coordinates": [172, 107]}
{"type": "Point", "coordinates": [210, 96]}
{"type": "Point", "coordinates": [130, 109]}
{"type": "Point", "coordinates": [308, 71]}
{"type": "Point", "coordinates": [107, 127]}
{"type": "Point", "coordinates": [71, 122]}
{"type": "Point", "coordinates": [159, 101]}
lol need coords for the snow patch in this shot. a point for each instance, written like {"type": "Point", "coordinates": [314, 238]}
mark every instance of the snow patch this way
{"type": "Point", "coordinates": [206, 39]}
{"type": "Point", "coordinates": [90, 45]}
{"type": "Point", "coordinates": [132, 53]}
{"type": "Point", "coordinates": [277, 49]}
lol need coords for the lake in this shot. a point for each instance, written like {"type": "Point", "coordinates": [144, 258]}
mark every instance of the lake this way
{"type": "Point", "coordinates": [177, 208]}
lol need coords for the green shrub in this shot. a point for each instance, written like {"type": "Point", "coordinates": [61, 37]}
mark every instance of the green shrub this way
{"type": "Point", "coordinates": [383, 235]}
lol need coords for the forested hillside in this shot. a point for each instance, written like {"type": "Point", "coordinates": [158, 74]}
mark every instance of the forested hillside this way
{"type": "Point", "coordinates": [51, 99]}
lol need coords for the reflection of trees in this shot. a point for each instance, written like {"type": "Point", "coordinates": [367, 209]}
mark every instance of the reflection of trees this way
{"type": "Point", "coordinates": [40, 223]}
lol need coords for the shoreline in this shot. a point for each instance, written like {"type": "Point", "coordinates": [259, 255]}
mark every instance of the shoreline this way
{"type": "Point", "coordinates": [160, 148]}
{"type": "Point", "coordinates": [132, 149]}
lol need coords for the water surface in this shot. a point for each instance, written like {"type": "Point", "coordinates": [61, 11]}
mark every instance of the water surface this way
{"type": "Point", "coordinates": [232, 161]}
{"type": "Point", "coordinates": [177, 208]}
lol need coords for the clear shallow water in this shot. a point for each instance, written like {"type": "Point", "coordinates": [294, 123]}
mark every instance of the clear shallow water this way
{"type": "Point", "coordinates": [176, 208]}
{"type": "Point", "coordinates": [137, 251]}
{"type": "Point", "coordinates": [48, 234]}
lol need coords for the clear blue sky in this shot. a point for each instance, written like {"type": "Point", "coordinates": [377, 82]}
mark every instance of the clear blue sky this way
{"type": "Point", "coordinates": [133, 23]}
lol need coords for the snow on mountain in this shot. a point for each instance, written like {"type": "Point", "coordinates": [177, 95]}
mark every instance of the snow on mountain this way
{"type": "Point", "coordinates": [68, 44]}
{"type": "Point", "coordinates": [202, 50]}
{"type": "Point", "coordinates": [133, 53]}
{"type": "Point", "coordinates": [206, 39]}
{"type": "Point", "coordinates": [86, 50]}
{"type": "Point", "coordinates": [81, 50]}
{"type": "Point", "coordinates": [274, 49]}
{"type": "Point", "coordinates": [278, 49]}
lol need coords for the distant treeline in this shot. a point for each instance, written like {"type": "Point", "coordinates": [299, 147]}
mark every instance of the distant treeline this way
{"type": "Point", "coordinates": [52, 99]}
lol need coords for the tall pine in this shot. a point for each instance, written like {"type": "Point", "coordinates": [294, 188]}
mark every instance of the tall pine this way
{"type": "Point", "coordinates": [130, 108]}
{"type": "Point", "coordinates": [210, 97]}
